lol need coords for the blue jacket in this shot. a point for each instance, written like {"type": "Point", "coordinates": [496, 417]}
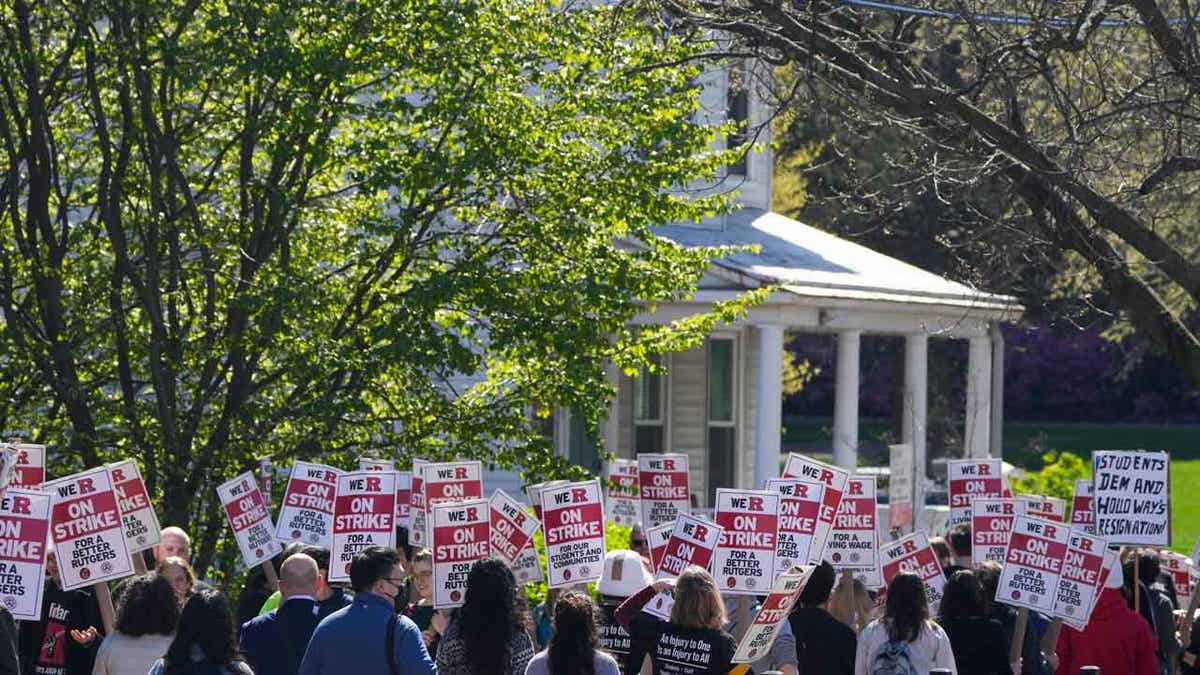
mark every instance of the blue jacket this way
{"type": "Point", "coordinates": [274, 643]}
{"type": "Point", "coordinates": [353, 640]}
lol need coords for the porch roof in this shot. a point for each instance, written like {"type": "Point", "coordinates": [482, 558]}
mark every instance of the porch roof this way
{"type": "Point", "coordinates": [807, 262]}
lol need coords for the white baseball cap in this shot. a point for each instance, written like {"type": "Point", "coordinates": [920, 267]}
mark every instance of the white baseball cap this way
{"type": "Point", "coordinates": [623, 574]}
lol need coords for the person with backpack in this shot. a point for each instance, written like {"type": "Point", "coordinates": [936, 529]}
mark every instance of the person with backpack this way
{"type": "Point", "coordinates": [697, 620]}
{"type": "Point", "coordinates": [204, 642]}
{"type": "Point", "coordinates": [904, 641]}
{"type": "Point", "coordinates": [367, 636]}
{"type": "Point", "coordinates": [573, 648]}
{"type": "Point", "coordinates": [979, 644]}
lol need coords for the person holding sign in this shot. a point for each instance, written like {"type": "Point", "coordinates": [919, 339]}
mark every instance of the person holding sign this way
{"type": "Point", "coordinates": [979, 645]}
{"type": "Point", "coordinates": [694, 641]}
{"type": "Point", "coordinates": [904, 636]}
{"type": "Point", "coordinates": [65, 640]}
{"type": "Point", "coordinates": [487, 634]}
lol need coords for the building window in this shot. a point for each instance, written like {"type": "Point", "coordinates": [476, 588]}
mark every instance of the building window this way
{"type": "Point", "coordinates": [737, 109]}
{"type": "Point", "coordinates": [722, 416]}
{"type": "Point", "coordinates": [648, 405]}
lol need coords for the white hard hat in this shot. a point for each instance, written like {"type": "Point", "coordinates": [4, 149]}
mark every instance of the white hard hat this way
{"type": "Point", "coordinates": [624, 574]}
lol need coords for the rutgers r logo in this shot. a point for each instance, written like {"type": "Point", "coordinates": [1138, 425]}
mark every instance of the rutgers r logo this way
{"type": "Point", "coordinates": [856, 488]}
{"type": "Point", "coordinates": [668, 464]}
{"type": "Point", "coordinates": [756, 504]}
{"type": "Point", "coordinates": [374, 484]}
{"type": "Point", "coordinates": [1085, 545]}
{"type": "Point", "coordinates": [460, 472]}
{"type": "Point", "coordinates": [579, 495]}
{"type": "Point", "coordinates": [17, 505]}
{"type": "Point", "coordinates": [118, 475]}
{"type": "Point", "coordinates": [985, 470]}
{"type": "Point", "coordinates": [472, 513]}
{"type": "Point", "coordinates": [910, 547]}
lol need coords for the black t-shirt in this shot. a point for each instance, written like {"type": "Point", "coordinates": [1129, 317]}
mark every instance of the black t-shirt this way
{"type": "Point", "coordinates": [680, 651]}
{"type": "Point", "coordinates": [614, 639]}
{"type": "Point", "coordinates": [47, 647]}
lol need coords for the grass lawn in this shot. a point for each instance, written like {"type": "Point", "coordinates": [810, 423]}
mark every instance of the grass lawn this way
{"type": "Point", "coordinates": [1185, 504]}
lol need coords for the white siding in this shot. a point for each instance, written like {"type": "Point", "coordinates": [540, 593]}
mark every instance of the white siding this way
{"type": "Point", "coordinates": [688, 400]}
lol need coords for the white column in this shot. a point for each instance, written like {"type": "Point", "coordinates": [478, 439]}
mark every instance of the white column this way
{"type": "Point", "coordinates": [845, 403]}
{"type": "Point", "coordinates": [997, 425]}
{"type": "Point", "coordinates": [612, 425]}
{"type": "Point", "coordinates": [979, 394]}
{"type": "Point", "coordinates": [916, 405]}
{"type": "Point", "coordinates": [768, 425]}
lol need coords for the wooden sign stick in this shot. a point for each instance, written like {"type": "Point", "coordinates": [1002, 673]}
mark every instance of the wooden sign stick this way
{"type": "Point", "coordinates": [1018, 640]}
{"type": "Point", "coordinates": [1050, 639]}
{"type": "Point", "coordinates": [139, 563]}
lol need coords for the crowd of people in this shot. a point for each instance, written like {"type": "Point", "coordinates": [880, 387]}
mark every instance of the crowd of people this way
{"type": "Point", "coordinates": [169, 622]}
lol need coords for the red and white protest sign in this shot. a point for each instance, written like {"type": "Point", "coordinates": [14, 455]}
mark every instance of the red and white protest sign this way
{"type": "Point", "coordinates": [307, 511]}
{"type": "Point", "coordinates": [404, 481]}
{"type": "Point", "coordinates": [761, 634]}
{"type": "Point", "coordinates": [1080, 582]}
{"type": "Point", "coordinates": [527, 568]}
{"type": "Point", "coordinates": [450, 481]}
{"type": "Point", "coordinates": [623, 504]}
{"type": "Point", "coordinates": [1180, 568]}
{"type": "Point", "coordinates": [745, 558]}
{"type": "Point", "coordinates": [799, 512]}
{"type": "Point", "coordinates": [368, 464]}
{"type": "Point", "coordinates": [853, 544]}
{"type": "Point", "coordinates": [991, 522]}
{"type": "Point", "coordinates": [416, 512]}
{"type": "Point", "coordinates": [663, 483]}
{"type": "Point", "coordinates": [512, 527]}
{"type": "Point", "coordinates": [1081, 507]}
{"type": "Point", "coordinates": [692, 542]}
{"type": "Point", "coordinates": [534, 492]}
{"type": "Point", "coordinates": [30, 468]}
{"type": "Point", "coordinates": [1049, 508]}
{"type": "Point", "coordinates": [656, 540]}
{"type": "Point", "coordinates": [364, 515]}
{"type": "Point", "coordinates": [1033, 563]}
{"type": "Point", "coordinates": [971, 479]}
{"type": "Point", "coordinates": [834, 479]}
{"type": "Point", "coordinates": [24, 523]}
{"type": "Point", "coordinates": [574, 530]}
{"type": "Point", "coordinates": [138, 519]}
{"type": "Point", "coordinates": [913, 555]}
{"type": "Point", "coordinates": [85, 524]}
{"type": "Point", "coordinates": [249, 519]}
{"type": "Point", "coordinates": [460, 538]}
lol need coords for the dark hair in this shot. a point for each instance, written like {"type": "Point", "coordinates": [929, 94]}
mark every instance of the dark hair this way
{"type": "Point", "coordinates": [962, 597]}
{"type": "Point", "coordinates": [207, 624]}
{"type": "Point", "coordinates": [940, 549]}
{"type": "Point", "coordinates": [1148, 567]}
{"type": "Point", "coordinates": [819, 586]}
{"type": "Point", "coordinates": [573, 646]}
{"type": "Point", "coordinates": [988, 574]}
{"type": "Point", "coordinates": [907, 608]}
{"type": "Point", "coordinates": [370, 565]}
{"type": "Point", "coordinates": [960, 539]}
{"type": "Point", "coordinates": [319, 555]}
{"type": "Point", "coordinates": [403, 543]}
{"type": "Point", "coordinates": [148, 607]}
{"type": "Point", "coordinates": [488, 619]}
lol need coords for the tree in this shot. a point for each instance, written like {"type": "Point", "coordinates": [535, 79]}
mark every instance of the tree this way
{"type": "Point", "coordinates": [302, 229]}
{"type": "Point", "coordinates": [1084, 110]}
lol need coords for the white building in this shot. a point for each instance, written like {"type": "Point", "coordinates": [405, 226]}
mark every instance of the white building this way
{"type": "Point", "coordinates": [721, 403]}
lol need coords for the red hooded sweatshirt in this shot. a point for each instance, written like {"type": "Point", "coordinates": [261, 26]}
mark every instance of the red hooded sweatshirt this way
{"type": "Point", "coordinates": [1117, 639]}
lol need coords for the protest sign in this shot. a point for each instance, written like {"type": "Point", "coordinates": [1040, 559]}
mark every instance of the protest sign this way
{"type": "Point", "coordinates": [527, 568]}
{"type": "Point", "coordinates": [30, 468]}
{"type": "Point", "coordinates": [1079, 582]}
{"type": "Point", "coordinates": [912, 554]}
{"type": "Point", "coordinates": [1033, 563]}
{"type": "Point", "coordinates": [1082, 515]}
{"type": "Point", "coordinates": [1131, 497]}
{"type": "Point", "coordinates": [1049, 508]}
{"type": "Point", "coordinates": [1180, 568]}
{"type": "Point", "coordinates": [663, 483]}
{"type": "Point", "coordinates": [138, 519]}
{"type": "Point", "coordinates": [449, 481]}
{"type": "Point", "coordinates": [623, 505]}
{"type": "Point", "coordinates": [656, 540]}
{"type": "Point", "coordinates": [692, 542]}
{"type": "Point", "coordinates": [970, 479]}
{"type": "Point", "coordinates": [416, 511]}
{"type": "Point", "coordinates": [834, 479]}
{"type": "Point", "coordinates": [460, 538]}
{"type": "Point", "coordinates": [853, 542]}
{"type": "Point", "coordinates": [744, 561]}
{"type": "Point", "coordinates": [85, 525]}
{"type": "Point", "coordinates": [8, 462]}
{"type": "Point", "coordinates": [761, 634]}
{"type": "Point", "coordinates": [991, 522]}
{"type": "Point", "coordinates": [249, 518]}
{"type": "Point", "coordinates": [404, 481]}
{"type": "Point", "coordinates": [364, 515]}
{"type": "Point", "coordinates": [574, 530]}
{"type": "Point", "coordinates": [799, 513]}
{"type": "Point", "coordinates": [900, 485]}
{"type": "Point", "coordinates": [512, 527]}
{"type": "Point", "coordinates": [534, 492]}
{"type": "Point", "coordinates": [24, 522]}
{"type": "Point", "coordinates": [307, 511]}
{"type": "Point", "coordinates": [368, 464]}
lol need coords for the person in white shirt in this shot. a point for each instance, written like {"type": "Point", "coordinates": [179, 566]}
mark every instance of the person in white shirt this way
{"type": "Point", "coordinates": [905, 633]}
{"type": "Point", "coordinates": [146, 620]}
